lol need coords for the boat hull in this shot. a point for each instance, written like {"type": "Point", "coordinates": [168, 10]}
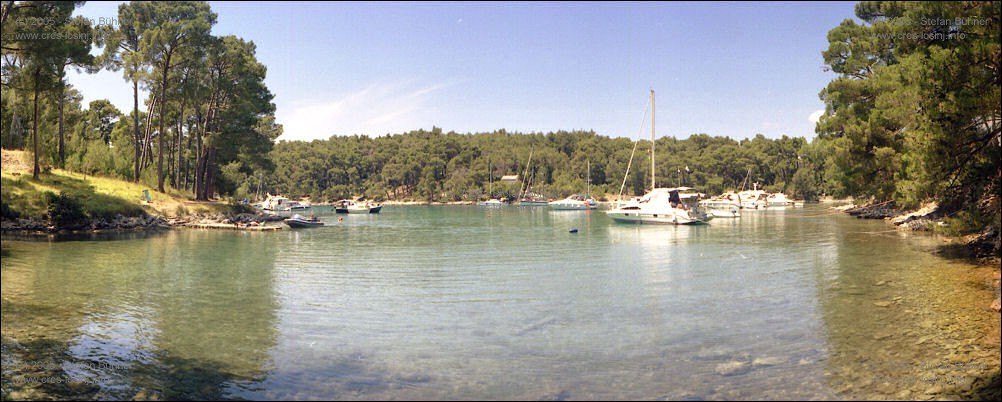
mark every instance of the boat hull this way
{"type": "Point", "coordinates": [722, 209]}
{"type": "Point", "coordinates": [364, 210]}
{"type": "Point", "coordinates": [571, 207]}
{"type": "Point", "coordinates": [351, 207]}
{"type": "Point", "coordinates": [725, 214]}
{"type": "Point", "coordinates": [533, 203]}
{"type": "Point", "coordinates": [576, 202]}
{"type": "Point", "coordinates": [641, 217]}
{"type": "Point", "coordinates": [301, 224]}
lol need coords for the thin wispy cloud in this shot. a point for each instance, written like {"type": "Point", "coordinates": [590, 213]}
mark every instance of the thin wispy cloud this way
{"type": "Point", "coordinates": [378, 109]}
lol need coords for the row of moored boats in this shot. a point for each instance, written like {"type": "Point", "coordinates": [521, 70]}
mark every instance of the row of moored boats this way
{"type": "Point", "coordinates": [575, 202]}
{"type": "Point", "coordinates": [676, 205]}
{"type": "Point", "coordinates": [276, 203]}
{"type": "Point", "coordinates": [279, 204]}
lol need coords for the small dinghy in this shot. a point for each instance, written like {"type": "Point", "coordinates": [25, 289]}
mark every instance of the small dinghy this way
{"type": "Point", "coordinates": [298, 221]}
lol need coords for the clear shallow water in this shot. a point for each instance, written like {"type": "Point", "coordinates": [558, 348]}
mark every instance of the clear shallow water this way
{"type": "Point", "coordinates": [477, 303]}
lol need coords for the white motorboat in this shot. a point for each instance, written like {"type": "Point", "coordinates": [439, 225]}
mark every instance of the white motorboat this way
{"type": "Point", "coordinates": [356, 207]}
{"type": "Point", "coordinates": [753, 199]}
{"type": "Point", "coordinates": [281, 204]}
{"type": "Point", "coordinates": [577, 201]}
{"type": "Point", "coordinates": [574, 202]}
{"type": "Point", "coordinates": [493, 202]}
{"type": "Point", "coordinates": [722, 208]}
{"type": "Point", "coordinates": [779, 200]}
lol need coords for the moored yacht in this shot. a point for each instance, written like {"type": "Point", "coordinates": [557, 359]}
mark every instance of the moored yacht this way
{"type": "Point", "coordinates": [661, 205]}
{"type": "Point", "coordinates": [724, 206]}
{"type": "Point", "coordinates": [356, 207]}
{"type": "Point", "coordinates": [753, 199]}
{"type": "Point", "coordinates": [574, 202]}
{"type": "Point", "coordinates": [279, 203]}
{"type": "Point", "coordinates": [493, 202]}
{"type": "Point", "coordinates": [577, 201]}
{"type": "Point", "coordinates": [779, 200]}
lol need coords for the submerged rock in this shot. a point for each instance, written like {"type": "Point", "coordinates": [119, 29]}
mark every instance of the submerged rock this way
{"type": "Point", "coordinates": [768, 361]}
{"type": "Point", "coordinates": [732, 368]}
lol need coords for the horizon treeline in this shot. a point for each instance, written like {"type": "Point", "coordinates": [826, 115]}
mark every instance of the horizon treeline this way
{"type": "Point", "coordinates": [434, 165]}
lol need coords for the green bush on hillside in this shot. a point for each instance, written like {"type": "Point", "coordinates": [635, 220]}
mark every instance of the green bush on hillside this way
{"type": "Point", "coordinates": [7, 212]}
{"type": "Point", "coordinates": [65, 211]}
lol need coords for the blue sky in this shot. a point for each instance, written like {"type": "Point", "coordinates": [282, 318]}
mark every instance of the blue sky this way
{"type": "Point", "coordinates": [732, 69]}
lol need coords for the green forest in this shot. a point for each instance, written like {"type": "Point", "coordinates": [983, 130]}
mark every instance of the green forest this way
{"type": "Point", "coordinates": [912, 117]}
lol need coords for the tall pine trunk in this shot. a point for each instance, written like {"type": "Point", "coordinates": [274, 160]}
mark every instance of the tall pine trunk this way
{"type": "Point", "coordinates": [34, 125]}
{"type": "Point", "coordinates": [135, 127]}
{"type": "Point", "coordinates": [62, 102]}
{"type": "Point", "coordinates": [148, 136]}
{"type": "Point", "coordinates": [163, 107]}
{"type": "Point", "coordinates": [177, 161]}
{"type": "Point", "coordinates": [210, 177]}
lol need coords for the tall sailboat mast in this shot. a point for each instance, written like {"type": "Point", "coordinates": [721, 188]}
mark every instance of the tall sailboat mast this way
{"type": "Point", "coordinates": [653, 185]}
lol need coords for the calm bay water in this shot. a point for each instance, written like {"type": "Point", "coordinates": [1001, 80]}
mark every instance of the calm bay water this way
{"type": "Point", "coordinates": [477, 303]}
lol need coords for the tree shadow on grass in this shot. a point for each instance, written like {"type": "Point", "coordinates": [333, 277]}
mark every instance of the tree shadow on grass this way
{"type": "Point", "coordinates": [94, 204]}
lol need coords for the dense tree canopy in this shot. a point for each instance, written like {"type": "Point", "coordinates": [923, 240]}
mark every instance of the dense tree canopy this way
{"type": "Point", "coordinates": [209, 120]}
{"type": "Point", "coordinates": [437, 166]}
{"type": "Point", "coordinates": [914, 115]}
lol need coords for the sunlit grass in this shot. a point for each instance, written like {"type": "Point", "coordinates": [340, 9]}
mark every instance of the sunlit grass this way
{"type": "Point", "coordinates": [99, 196]}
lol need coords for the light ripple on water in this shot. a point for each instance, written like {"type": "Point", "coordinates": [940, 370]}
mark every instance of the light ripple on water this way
{"type": "Point", "coordinates": [440, 303]}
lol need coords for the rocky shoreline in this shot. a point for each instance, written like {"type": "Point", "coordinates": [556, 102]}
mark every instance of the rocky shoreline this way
{"type": "Point", "coordinates": [119, 223]}
{"type": "Point", "coordinates": [977, 247]}
{"type": "Point", "coordinates": [925, 218]}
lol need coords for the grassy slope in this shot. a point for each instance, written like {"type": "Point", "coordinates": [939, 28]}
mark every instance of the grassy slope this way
{"type": "Point", "coordinates": [100, 196]}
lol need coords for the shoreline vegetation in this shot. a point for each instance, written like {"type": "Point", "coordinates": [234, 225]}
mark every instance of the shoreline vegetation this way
{"type": "Point", "coordinates": [123, 206]}
{"type": "Point", "coordinates": [32, 209]}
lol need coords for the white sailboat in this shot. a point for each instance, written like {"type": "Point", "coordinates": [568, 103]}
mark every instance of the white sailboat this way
{"type": "Point", "coordinates": [491, 202]}
{"type": "Point", "coordinates": [526, 197]}
{"type": "Point", "coordinates": [661, 205]}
